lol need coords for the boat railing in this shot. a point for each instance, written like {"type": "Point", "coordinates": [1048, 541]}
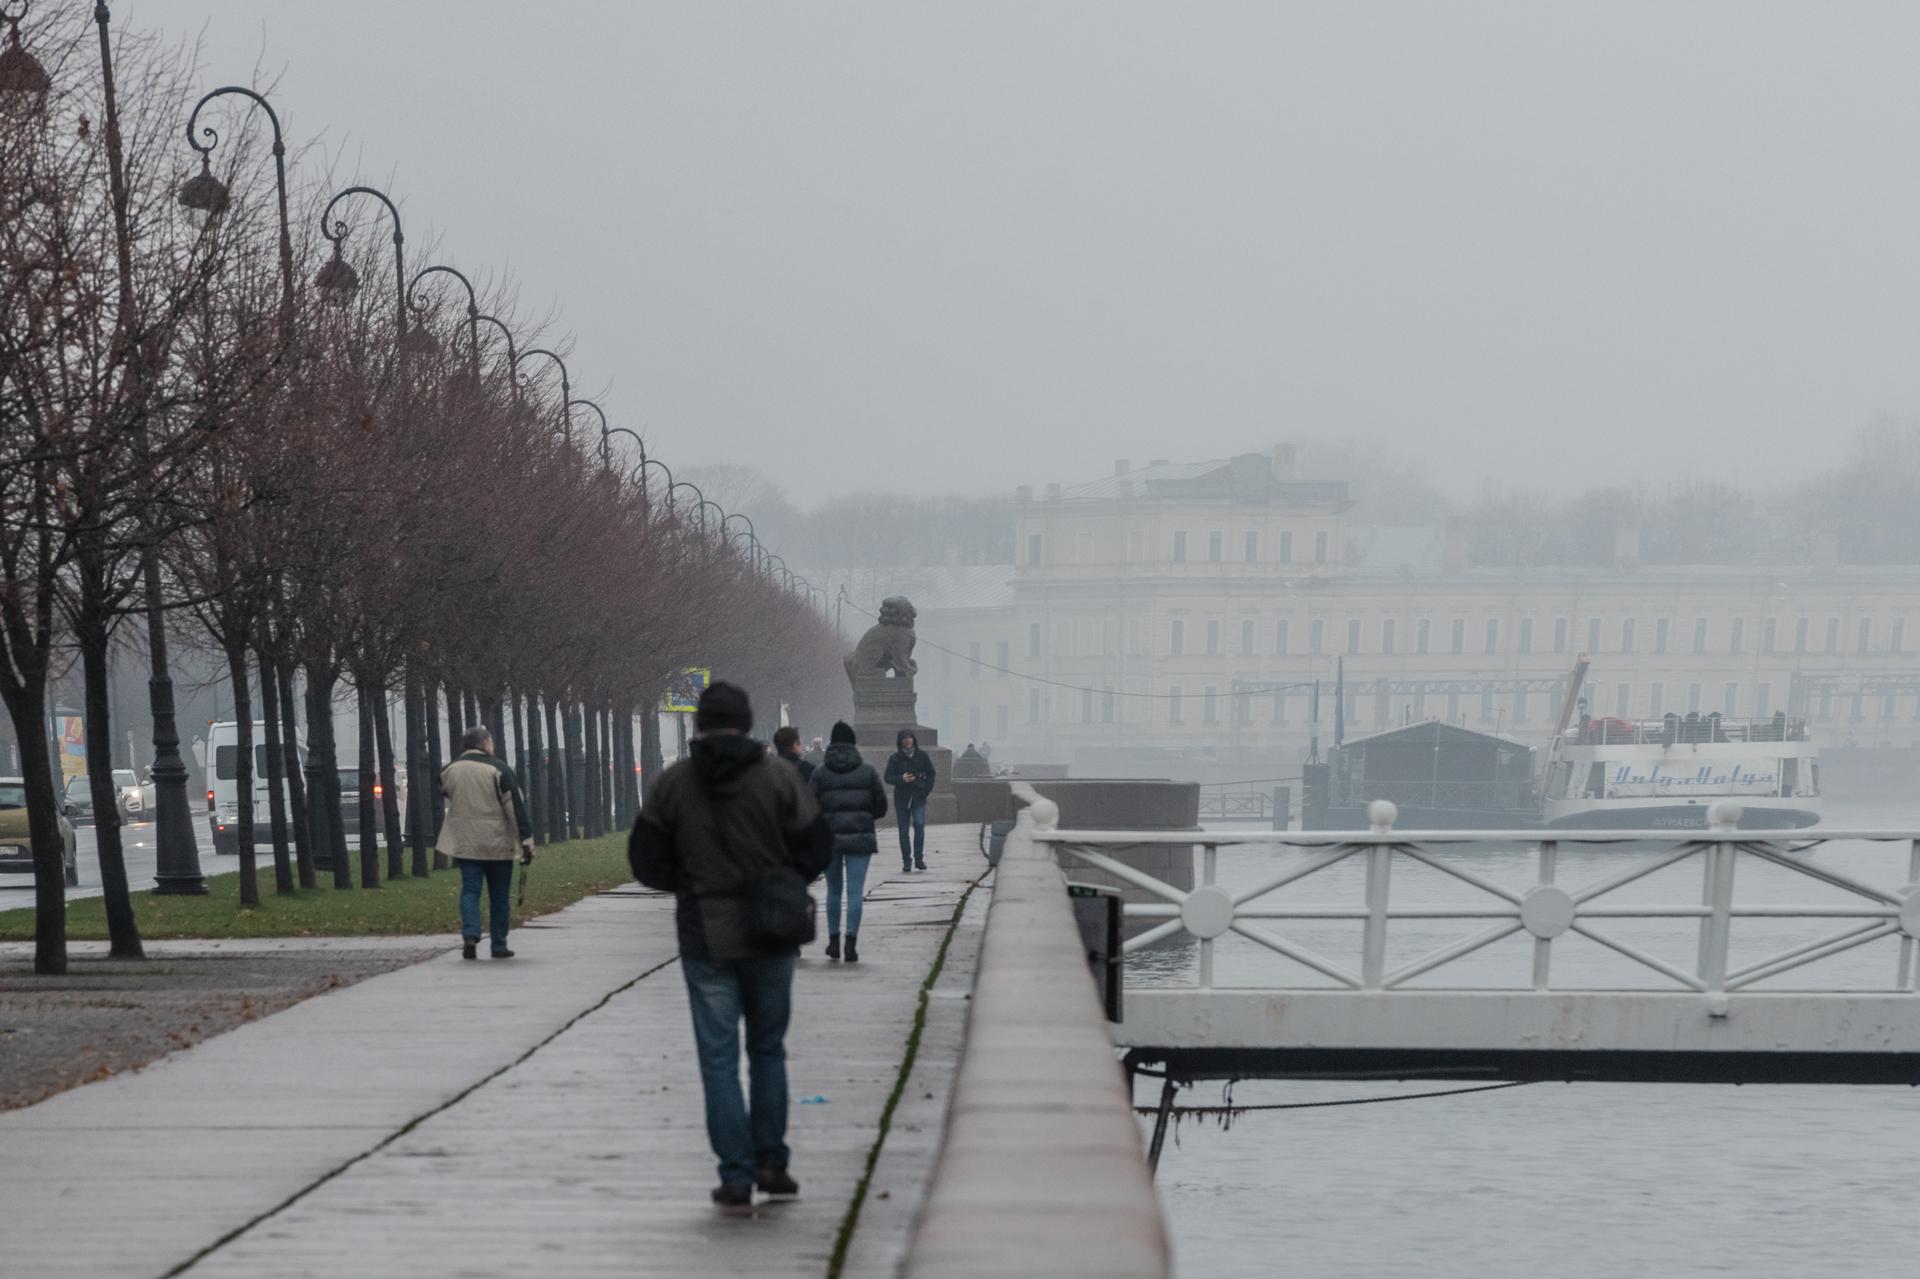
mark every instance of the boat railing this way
{"type": "Point", "coordinates": [1689, 728]}
{"type": "Point", "coordinates": [1513, 795]}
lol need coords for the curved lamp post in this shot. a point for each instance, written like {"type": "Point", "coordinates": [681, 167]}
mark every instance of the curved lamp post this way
{"type": "Point", "coordinates": [513, 356]}
{"type": "Point", "coordinates": [419, 307]}
{"type": "Point", "coordinates": [206, 197]}
{"type": "Point", "coordinates": [606, 460]}
{"type": "Point", "coordinates": [566, 385]}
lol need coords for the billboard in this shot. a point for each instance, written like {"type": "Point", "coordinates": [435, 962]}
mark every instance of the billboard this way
{"type": "Point", "coordinates": [72, 735]}
{"type": "Point", "coordinates": [684, 689]}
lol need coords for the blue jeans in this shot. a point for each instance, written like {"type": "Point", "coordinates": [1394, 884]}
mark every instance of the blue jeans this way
{"type": "Point", "coordinates": [851, 870]}
{"type": "Point", "coordinates": [721, 992]}
{"type": "Point", "coordinates": [498, 877]}
{"type": "Point", "coordinates": [912, 816]}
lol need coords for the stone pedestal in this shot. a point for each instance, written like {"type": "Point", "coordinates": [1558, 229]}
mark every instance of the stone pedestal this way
{"type": "Point", "coordinates": [885, 706]}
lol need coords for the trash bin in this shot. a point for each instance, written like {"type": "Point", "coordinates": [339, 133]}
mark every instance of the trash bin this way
{"type": "Point", "coordinates": [1096, 908]}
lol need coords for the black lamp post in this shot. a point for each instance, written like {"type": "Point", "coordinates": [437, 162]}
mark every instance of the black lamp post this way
{"type": "Point", "coordinates": [205, 197]}
{"type": "Point", "coordinates": [176, 853]}
{"type": "Point", "coordinates": [513, 357]}
{"type": "Point", "coordinates": [606, 456]}
{"type": "Point", "coordinates": [419, 306]}
{"type": "Point", "coordinates": [566, 384]}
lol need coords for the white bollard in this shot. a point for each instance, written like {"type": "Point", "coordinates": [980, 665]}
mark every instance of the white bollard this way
{"type": "Point", "coordinates": [1380, 816]}
{"type": "Point", "coordinates": [1725, 814]}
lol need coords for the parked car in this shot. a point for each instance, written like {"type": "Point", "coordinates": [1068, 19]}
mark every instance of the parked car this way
{"type": "Point", "coordinates": [16, 844]}
{"type": "Point", "coordinates": [350, 800]}
{"type": "Point", "coordinates": [79, 799]}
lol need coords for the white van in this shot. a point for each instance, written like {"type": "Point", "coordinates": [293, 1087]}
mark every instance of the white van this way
{"type": "Point", "coordinates": [223, 796]}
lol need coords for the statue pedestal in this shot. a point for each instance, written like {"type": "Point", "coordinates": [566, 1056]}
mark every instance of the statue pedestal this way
{"type": "Point", "coordinates": [883, 708]}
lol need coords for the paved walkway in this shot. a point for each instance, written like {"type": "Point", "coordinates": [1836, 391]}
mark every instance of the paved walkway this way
{"type": "Point", "coordinates": [534, 1118]}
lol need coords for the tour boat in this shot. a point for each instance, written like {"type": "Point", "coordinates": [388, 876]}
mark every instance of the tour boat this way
{"type": "Point", "coordinates": [1616, 774]}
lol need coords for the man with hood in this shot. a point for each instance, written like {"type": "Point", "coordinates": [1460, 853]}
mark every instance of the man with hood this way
{"type": "Point", "coordinates": [851, 800]}
{"type": "Point", "coordinates": [910, 773]}
{"type": "Point", "coordinates": [713, 825]}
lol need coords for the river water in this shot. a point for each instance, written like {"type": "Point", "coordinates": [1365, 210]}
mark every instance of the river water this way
{"type": "Point", "coordinates": [1581, 1181]}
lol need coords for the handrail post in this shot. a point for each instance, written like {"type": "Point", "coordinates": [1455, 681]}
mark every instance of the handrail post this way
{"type": "Point", "coordinates": [1716, 929]}
{"type": "Point", "coordinates": [1543, 946]}
{"type": "Point", "coordinates": [1209, 865]}
{"type": "Point", "coordinates": [1373, 958]}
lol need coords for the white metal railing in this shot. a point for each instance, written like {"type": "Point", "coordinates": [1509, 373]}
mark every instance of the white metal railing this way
{"type": "Point", "coordinates": [1546, 910]}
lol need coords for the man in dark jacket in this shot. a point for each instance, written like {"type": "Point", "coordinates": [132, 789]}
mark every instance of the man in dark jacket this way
{"type": "Point", "coordinates": [851, 800]}
{"type": "Point", "coordinates": [711, 826]}
{"type": "Point", "coordinates": [786, 742]}
{"type": "Point", "coordinates": [910, 773]}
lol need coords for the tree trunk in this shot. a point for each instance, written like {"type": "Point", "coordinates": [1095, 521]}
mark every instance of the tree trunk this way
{"type": "Point", "coordinates": [456, 722]}
{"type": "Point", "coordinates": [496, 724]}
{"type": "Point", "coordinates": [440, 859]}
{"type": "Point", "coordinates": [556, 779]}
{"type": "Point", "coordinates": [122, 928]}
{"type": "Point", "coordinates": [591, 773]}
{"type": "Point", "coordinates": [29, 713]}
{"type": "Point", "coordinates": [303, 843]}
{"type": "Point", "coordinates": [369, 778]}
{"type": "Point", "coordinates": [576, 772]}
{"type": "Point", "coordinates": [243, 772]}
{"type": "Point", "coordinates": [420, 784]}
{"type": "Point", "coordinates": [536, 778]}
{"type": "Point", "coordinates": [651, 762]}
{"type": "Point", "coordinates": [389, 796]}
{"type": "Point", "coordinates": [323, 777]}
{"type": "Point", "coordinates": [276, 775]}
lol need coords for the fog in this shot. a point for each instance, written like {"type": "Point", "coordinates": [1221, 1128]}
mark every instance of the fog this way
{"type": "Point", "coordinates": [954, 248]}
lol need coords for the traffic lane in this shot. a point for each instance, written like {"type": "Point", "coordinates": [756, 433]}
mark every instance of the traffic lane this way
{"type": "Point", "coordinates": [138, 845]}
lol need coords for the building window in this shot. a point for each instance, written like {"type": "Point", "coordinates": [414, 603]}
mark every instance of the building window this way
{"type": "Point", "coordinates": [1280, 637]}
{"type": "Point", "coordinates": [1525, 637]}
{"type": "Point", "coordinates": [1593, 635]}
{"type": "Point", "coordinates": [1033, 640]}
{"type": "Point", "coordinates": [1317, 637]}
{"type": "Point", "coordinates": [1083, 547]}
{"type": "Point", "coordinates": [1216, 546]}
{"type": "Point", "coordinates": [1700, 635]}
{"type": "Point", "coordinates": [1173, 704]}
{"type": "Point", "coordinates": [1212, 705]}
{"type": "Point", "coordinates": [1086, 706]}
{"type": "Point", "coordinates": [973, 658]}
{"type": "Point", "coordinates": [1559, 634]}
{"type": "Point", "coordinates": [1246, 637]}
{"type": "Point", "coordinates": [1459, 635]}
{"type": "Point", "coordinates": [1106, 706]}
{"type": "Point", "coordinates": [1000, 656]}
{"type": "Point", "coordinates": [1319, 548]}
{"type": "Point", "coordinates": [1422, 634]}
{"type": "Point", "coordinates": [1520, 706]}
{"type": "Point", "coordinates": [1655, 694]}
{"type": "Point", "coordinates": [1623, 702]}
{"type": "Point", "coordinates": [1253, 546]}
{"type": "Point", "coordinates": [1353, 636]}
{"type": "Point", "coordinates": [1769, 634]}
{"type": "Point", "coordinates": [1736, 634]}
{"type": "Point", "coordinates": [973, 723]}
{"type": "Point", "coordinates": [1279, 706]}
{"type": "Point", "coordinates": [1762, 695]}
{"type": "Point", "coordinates": [1897, 636]}
{"type": "Point", "coordinates": [1486, 708]}
{"type": "Point", "coordinates": [1800, 636]}
{"type": "Point", "coordinates": [1286, 546]}
{"type": "Point", "coordinates": [1626, 635]}
{"type": "Point", "coordinates": [946, 663]}
{"type": "Point", "coordinates": [1386, 636]}
{"type": "Point", "coordinates": [1493, 635]}
{"type": "Point", "coordinates": [1833, 635]}
{"type": "Point", "coordinates": [1730, 700]}
{"type": "Point", "coordinates": [1180, 547]}
{"type": "Point", "coordinates": [1660, 629]}
{"type": "Point", "coordinates": [1002, 720]}
{"type": "Point", "coordinates": [1693, 699]}
{"type": "Point", "coordinates": [1176, 638]}
{"type": "Point", "coordinates": [1453, 708]}
{"type": "Point", "coordinates": [1033, 548]}
{"type": "Point", "coordinates": [1213, 639]}
{"type": "Point", "coordinates": [1866, 636]}
{"type": "Point", "coordinates": [1033, 706]}
{"type": "Point", "coordinates": [1063, 638]}
{"type": "Point", "coordinates": [1137, 545]}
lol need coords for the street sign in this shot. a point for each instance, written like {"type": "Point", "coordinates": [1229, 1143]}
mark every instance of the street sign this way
{"type": "Point", "coordinates": [684, 689]}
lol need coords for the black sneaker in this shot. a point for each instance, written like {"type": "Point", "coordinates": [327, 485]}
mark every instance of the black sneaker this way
{"type": "Point", "coordinates": [919, 862]}
{"type": "Point", "coordinates": [470, 949]}
{"type": "Point", "coordinates": [853, 949]}
{"type": "Point", "coordinates": [503, 953]}
{"type": "Point", "coordinates": [775, 1181]}
{"type": "Point", "coordinates": [733, 1200]}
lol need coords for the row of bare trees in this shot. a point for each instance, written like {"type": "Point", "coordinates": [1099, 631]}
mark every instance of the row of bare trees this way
{"type": "Point", "coordinates": [330, 472]}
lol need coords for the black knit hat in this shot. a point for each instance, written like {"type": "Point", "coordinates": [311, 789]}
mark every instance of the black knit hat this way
{"type": "Point", "coordinates": [723, 706]}
{"type": "Point", "coordinates": [842, 732]}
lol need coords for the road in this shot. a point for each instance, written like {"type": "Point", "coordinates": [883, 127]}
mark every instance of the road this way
{"type": "Point", "coordinates": [138, 840]}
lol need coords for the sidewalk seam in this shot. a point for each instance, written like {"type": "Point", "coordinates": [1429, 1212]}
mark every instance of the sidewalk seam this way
{"type": "Point", "coordinates": [294, 1198]}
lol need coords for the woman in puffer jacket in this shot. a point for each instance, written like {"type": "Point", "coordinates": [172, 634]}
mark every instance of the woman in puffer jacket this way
{"type": "Point", "coordinates": [852, 798]}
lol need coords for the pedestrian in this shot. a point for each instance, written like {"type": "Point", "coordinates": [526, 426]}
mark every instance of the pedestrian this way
{"type": "Point", "coordinates": [786, 741]}
{"type": "Point", "coordinates": [484, 829]}
{"type": "Point", "coordinates": [910, 773]}
{"type": "Point", "coordinates": [732, 832]}
{"type": "Point", "coordinates": [852, 799]}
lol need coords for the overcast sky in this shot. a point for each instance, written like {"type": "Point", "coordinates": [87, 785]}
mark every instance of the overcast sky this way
{"type": "Point", "coordinates": [963, 246]}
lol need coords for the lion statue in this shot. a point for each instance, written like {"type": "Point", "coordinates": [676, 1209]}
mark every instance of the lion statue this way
{"type": "Point", "coordinates": [888, 643]}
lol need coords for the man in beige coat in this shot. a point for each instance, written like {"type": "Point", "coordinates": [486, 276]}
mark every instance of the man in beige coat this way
{"type": "Point", "coordinates": [485, 829]}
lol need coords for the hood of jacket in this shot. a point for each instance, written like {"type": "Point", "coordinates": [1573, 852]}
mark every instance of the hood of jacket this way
{"type": "Point", "coordinates": [900, 741]}
{"type": "Point", "coordinates": [723, 758]}
{"type": "Point", "coordinates": [843, 757]}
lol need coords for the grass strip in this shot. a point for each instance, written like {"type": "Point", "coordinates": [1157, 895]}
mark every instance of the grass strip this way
{"type": "Point", "coordinates": [851, 1222]}
{"type": "Point", "coordinates": [561, 875]}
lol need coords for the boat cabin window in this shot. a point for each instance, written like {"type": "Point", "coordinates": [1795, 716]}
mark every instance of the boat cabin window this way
{"type": "Point", "coordinates": [1789, 776]}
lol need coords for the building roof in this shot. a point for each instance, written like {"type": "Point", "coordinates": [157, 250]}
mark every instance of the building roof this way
{"type": "Point", "coordinates": [1432, 731]}
{"type": "Point", "coordinates": [1248, 477]}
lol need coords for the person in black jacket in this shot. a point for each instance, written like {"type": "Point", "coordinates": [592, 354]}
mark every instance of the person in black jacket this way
{"type": "Point", "coordinates": [910, 773]}
{"type": "Point", "coordinates": [712, 826]}
{"type": "Point", "coordinates": [851, 800]}
{"type": "Point", "coordinates": [786, 743]}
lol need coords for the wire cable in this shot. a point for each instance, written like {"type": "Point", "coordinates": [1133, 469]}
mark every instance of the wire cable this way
{"type": "Point", "coordinates": [1229, 1110]}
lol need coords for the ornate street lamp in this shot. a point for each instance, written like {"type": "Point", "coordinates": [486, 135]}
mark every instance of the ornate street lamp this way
{"type": "Point", "coordinates": [566, 385]}
{"type": "Point", "coordinates": [206, 197]}
{"type": "Point", "coordinates": [24, 83]}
